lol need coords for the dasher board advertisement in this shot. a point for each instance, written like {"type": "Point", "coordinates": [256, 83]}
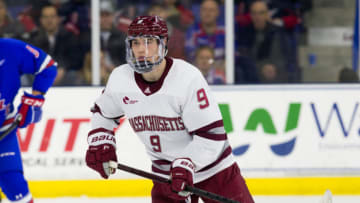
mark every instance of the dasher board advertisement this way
{"type": "Point", "coordinates": [274, 131]}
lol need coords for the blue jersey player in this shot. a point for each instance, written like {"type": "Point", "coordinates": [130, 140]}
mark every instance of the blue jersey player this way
{"type": "Point", "coordinates": [18, 58]}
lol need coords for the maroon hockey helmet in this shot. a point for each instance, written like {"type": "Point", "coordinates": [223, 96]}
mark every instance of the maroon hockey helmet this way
{"type": "Point", "coordinates": [147, 27]}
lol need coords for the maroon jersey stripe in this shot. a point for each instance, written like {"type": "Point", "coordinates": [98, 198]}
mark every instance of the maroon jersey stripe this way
{"type": "Point", "coordinates": [225, 154]}
{"type": "Point", "coordinates": [162, 162]}
{"type": "Point", "coordinates": [96, 109]}
{"type": "Point", "coordinates": [97, 130]}
{"type": "Point", "coordinates": [217, 137]}
{"type": "Point", "coordinates": [156, 170]}
{"type": "Point", "coordinates": [207, 128]}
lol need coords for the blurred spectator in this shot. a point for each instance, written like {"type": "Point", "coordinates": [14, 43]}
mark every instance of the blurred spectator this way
{"type": "Point", "coordinates": [60, 44]}
{"type": "Point", "coordinates": [289, 13]}
{"type": "Point", "coordinates": [178, 14]}
{"type": "Point", "coordinates": [105, 69]}
{"type": "Point", "coordinates": [32, 10]}
{"type": "Point", "coordinates": [112, 44]}
{"type": "Point", "coordinates": [269, 46]}
{"type": "Point", "coordinates": [9, 28]}
{"type": "Point", "coordinates": [27, 21]}
{"type": "Point", "coordinates": [112, 40]}
{"type": "Point", "coordinates": [176, 37]}
{"type": "Point", "coordinates": [58, 3]}
{"type": "Point", "coordinates": [76, 15]}
{"type": "Point", "coordinates": [348, 75]}
{"type": "Point", "coordinates": [124, 18]}
{"type": "Point", "coordinates": [207, 32]}
{"type": "Point", "coordinates": [195, 9]}
{"type": "Point", "coordinates": [204, 60]}
{"type": "Point", "coordinates": [129, 9]}
{"type": "Point", "coordinates": [285, 13]}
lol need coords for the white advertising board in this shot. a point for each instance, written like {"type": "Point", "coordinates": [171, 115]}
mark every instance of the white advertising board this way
{"type": "Point", "coordinates": [54, 148]}
{"type": "Point", "coordinates": [281, 131]}
{"type": "Point", "coordinates": [295, 130]}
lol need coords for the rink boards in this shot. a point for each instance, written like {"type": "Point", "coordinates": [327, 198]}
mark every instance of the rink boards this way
{"type": "Point", "coordinates": [298, 139]}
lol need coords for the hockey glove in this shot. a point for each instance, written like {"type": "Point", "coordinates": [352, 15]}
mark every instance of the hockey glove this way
{"type": "Point", "coordinates": [181, 174]}
{"type": "Point", "coordinates": [30, 109]}
{"type": "Point", "coordinates": [102, 149]}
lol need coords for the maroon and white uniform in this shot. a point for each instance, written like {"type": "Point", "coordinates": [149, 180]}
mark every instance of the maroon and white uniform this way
{"type": "Point", "coordinates": [175, 117]}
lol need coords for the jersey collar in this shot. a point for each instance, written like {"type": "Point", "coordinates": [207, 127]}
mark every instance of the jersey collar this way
{"type": "Point", "coordinates": [149, 88]}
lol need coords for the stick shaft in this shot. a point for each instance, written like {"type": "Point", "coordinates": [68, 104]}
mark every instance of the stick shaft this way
{"type": "Point", "coordinates": [142, 173]}
{"type": "Point", "coordinates": [11, 128]}
{"type": "Point", "coordinates": [160, 179]}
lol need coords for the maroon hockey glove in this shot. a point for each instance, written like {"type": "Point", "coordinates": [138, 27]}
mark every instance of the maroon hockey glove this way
{"type": "Point", "coordinates": [101, 151]}
{"type": "Point", "coordinates": [181, 174]}
{"type": "Point", "coordinates": [97, 158]}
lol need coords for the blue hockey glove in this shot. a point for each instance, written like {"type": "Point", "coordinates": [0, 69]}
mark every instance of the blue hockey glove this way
{"type": "Point", "coordinates": [30, 109]}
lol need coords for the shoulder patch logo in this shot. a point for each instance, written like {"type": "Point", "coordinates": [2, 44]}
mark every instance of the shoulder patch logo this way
{"type": "Point", "coordinates": [126, 100]}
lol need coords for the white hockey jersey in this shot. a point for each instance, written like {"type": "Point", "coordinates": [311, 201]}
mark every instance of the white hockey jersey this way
{"type": "Point", "coordinates": [175, 117]}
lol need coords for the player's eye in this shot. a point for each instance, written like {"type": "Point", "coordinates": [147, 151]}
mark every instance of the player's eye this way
{"type": "Point", "coordinates": [135, 42]}
{"type": "Point", "coordinates": [150, 40]}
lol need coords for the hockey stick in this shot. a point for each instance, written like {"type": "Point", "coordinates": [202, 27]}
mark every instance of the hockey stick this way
{"type": "Point", "coordinates": [160, 179]}
{"type": "Point", "coordinates": [11, 128]}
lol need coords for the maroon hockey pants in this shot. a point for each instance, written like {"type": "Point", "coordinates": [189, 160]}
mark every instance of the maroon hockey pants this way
{"type": "Point", "coordinates": [228, 183]}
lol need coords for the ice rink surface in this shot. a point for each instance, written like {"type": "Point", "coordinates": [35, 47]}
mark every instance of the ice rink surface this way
{"type": "Point", "coordinates": [258, 199]}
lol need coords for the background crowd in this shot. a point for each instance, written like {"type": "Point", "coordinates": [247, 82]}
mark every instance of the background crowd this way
{"type": "Point", "coordinates": [267, 35]}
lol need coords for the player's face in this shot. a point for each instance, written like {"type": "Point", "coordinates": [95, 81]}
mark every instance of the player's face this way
{"type": "Point", "coordinates": [204, 60]}
{"type": "Point", "coordinates": [143, 53]}
{"type": "Point", "coordinates": [144, 47]}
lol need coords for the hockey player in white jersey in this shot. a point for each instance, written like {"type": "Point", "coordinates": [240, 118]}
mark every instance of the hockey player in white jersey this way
{"type": "Point", "coordinates": [172, 110]}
